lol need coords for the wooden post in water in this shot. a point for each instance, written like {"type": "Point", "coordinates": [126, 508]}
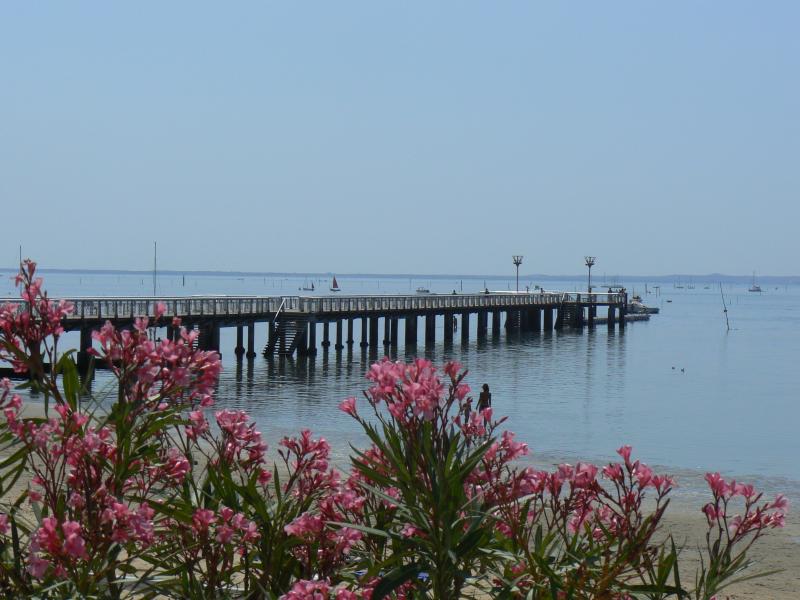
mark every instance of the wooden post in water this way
{"type": "Point", "coordinates": [326, 335]}
{"type": "Point", "coordinates": [496, 326]}
{"type": "Point", "coordinates": [239, 350]}
{"type": "Point", "coordinates": [339, 337]}
{"type": "Point", "coordinates": [411, 330]}
{"type": "Point", "coordinates": [465, 327]}
{"type": "Point", "coordinates": [536, 320]}
{"type": "Point", "coordinates": [373, 332]}
{"type": "Point", "coordinates": [387, 330]}
{"type": "Point", "coordinates": [312, 338]}
{"type": "Point", "coordinates": [448, 328]}
{"type": "Point", "coordinates": [394, 336]}
{"type": "Point", "coordinates": [430, 329]}
{"type": "Point", "coordinates": [611, 316]}
{"type": "Point", "coordinates": [483, 324]}
{"type": "Point", "coordinates": [83, 354]}
{"type": "Point", "coordinates": [364, 328]}
{"type": "Point", "coordinates": [251, 340]}
{"type": "Point", "coordinates": [350, 340]}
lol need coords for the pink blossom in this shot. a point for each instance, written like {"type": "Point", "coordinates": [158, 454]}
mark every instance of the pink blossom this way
{"type": "Point", "coordinates": [37, 566]}
{"type": "Point", "coordinates": [73, 541]}
{"type": "Point", "coordinates": [202, 519]}
{"type": "Point", "coordinates": [348, 406]}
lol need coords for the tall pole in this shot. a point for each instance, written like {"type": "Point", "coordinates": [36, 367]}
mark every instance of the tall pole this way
{"type": "Point", "coordinates": [590, 260]}
{"type": "Point", "coordinates": [517, 260]}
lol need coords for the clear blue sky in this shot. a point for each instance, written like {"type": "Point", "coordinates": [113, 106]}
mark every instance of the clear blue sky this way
{"type": "Point", "coordinates": [420, 137]}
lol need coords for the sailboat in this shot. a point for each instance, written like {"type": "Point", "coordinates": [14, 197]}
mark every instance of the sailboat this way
{"type": "Point", "coordinates": [755, 287]}
{"type": "Point", "coordinates": [335, 286]}
{"type": "Point", "coordinates": [306, 287]}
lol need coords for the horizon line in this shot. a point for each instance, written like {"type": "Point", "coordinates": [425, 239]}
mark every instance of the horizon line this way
{"type": "Point", "coordinates": [199, 272]}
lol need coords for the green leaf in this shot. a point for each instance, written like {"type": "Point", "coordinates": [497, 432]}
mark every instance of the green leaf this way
{"type": "Point", "coordinates": [394, 579]}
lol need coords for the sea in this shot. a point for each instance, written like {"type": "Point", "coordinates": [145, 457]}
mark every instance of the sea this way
{"type": "Point", "coordinates": [690, 391]}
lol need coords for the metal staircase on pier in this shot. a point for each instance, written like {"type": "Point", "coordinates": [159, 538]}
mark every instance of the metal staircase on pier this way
{"type": "Point", "coordinates": [289, 335]}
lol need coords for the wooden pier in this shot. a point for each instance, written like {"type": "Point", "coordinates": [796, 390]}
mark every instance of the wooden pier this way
{"type": "Point", "coordinates": [297, 324]}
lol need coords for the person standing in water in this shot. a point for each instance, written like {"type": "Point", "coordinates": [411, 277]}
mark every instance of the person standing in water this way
{"type": "Point", "coordinates": [485, 398]}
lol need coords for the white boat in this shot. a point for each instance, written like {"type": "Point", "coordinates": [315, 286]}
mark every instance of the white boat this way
{"type": "Point", "coordinates": [423, 290]}
{"type": "Point", "coordinates": [335, 286]}
{"type": "Point", "coordinates": [637, 307]}
{"type": "Point", "coordinates": [755, 287]}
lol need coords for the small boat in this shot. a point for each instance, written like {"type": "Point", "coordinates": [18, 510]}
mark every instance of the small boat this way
{"type": "Point", "coordinates": [335, 286]}
{"type": "Point", "coordinates": [637, 307]}
{"type": "Point", "coordinates": [755, 287]}
{"type": "Point", "coordinates": [423, 290]}
{"type": "Point", "coordinates": [306, 287]}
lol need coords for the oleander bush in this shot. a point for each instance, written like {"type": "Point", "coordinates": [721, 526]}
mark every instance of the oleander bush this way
{"type": "Point", "coordinates": [144, 491]}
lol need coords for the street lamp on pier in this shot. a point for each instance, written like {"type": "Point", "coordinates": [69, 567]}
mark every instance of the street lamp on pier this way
{"type": "Point", "coordinates": [517, 259]}
{"type": "Point", "coordinates": [589, 260]}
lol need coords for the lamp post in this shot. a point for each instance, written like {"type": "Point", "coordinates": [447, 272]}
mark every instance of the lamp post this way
{"type": "Point", "coordinates": [590, 263]}
{"type": "Point", "coordinates": [517, 259]}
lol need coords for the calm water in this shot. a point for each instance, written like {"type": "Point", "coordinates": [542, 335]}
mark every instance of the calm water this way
{"type": "Point", "coordinates": [729, 403]}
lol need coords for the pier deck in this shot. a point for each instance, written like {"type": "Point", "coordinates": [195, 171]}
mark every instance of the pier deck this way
{"type": "Point", "coordinates": [292, 321]}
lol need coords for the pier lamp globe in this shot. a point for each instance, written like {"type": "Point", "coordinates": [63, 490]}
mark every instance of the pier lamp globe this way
{"type": "Point", "coordinates": [517, 259]}
{"type": "Point", "coordinates": [589, 260]}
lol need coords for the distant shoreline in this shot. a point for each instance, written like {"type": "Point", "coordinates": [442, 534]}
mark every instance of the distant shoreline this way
{"type": "Point", "coordinates": [710, 278]}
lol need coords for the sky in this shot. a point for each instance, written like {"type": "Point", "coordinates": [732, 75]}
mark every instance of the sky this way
{"type": "Point", "coordinates": [402, 137]}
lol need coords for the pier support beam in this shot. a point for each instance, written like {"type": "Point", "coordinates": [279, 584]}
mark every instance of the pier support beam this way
{"type": "Point", "coordinates": [523, 320]}
{"type": "Point", "coordinates": [483, 324]}
{"type": "Point", "coordinates": [393, 335]}
{"type": "Point", "coordinates": [411, 329]}
{"type": "Point", "coordinates": [611, 316]}
{"type": "Point", "coordinates": [326, 334]}
{"type": "Point", "coordinates": [448, 328]}
{"type": "Point", "coordinates": [272, 340]}
{"type": "Point", "coordinates": [464, 327]}
{"type": "Point", "coordinates": [251, 340]}
{"type": "Point", "coordinates": [209, 337]}
{"type": "Point", "coordinates": [350, 340]}
{"type": "Point", "coordinates": [83, 354]}
{"type": "Point", "coordinates": [364, 328]}
{"type": "Point", "coordinates": [373, 332]}
{"type": "Point", "coordinates": [496, 326]}
{"type": "Point", "coordinates": [339, 336]}
{"type": "Point", "coordinates": [312, 338]}
{"type": "Point", "coordinates": [302, 338]}
{"type": "Point", "coordinates": [239, 350]}
{"type": "Point", "coordinates": [623, 308]}
{"type": "Point", "coordinates": [548, 318]}
{"type": "Point", "coordinates": [430, 330]}
{"type": "Point", "coordinates": [535, 320]}
{"type": "Point", "coordinates": [387, 333]}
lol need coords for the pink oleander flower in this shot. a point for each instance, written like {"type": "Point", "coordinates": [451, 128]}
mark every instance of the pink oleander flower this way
{"type": "Point", "coordinates": [202, 519]}
{"type": "Point", "coordinates": [37, 566]}
{"type": "Point", "coordinates": [348, 406]}
{"type": "Point", "coordinates": [309, 590]}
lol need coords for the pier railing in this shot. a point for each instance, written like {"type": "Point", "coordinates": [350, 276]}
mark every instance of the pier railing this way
{"type": "Point", "coordinates": [244, 306]}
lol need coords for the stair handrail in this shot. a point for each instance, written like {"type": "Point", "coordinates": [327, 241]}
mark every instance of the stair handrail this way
{"type": "Point", "coordinates": [280, 308]}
